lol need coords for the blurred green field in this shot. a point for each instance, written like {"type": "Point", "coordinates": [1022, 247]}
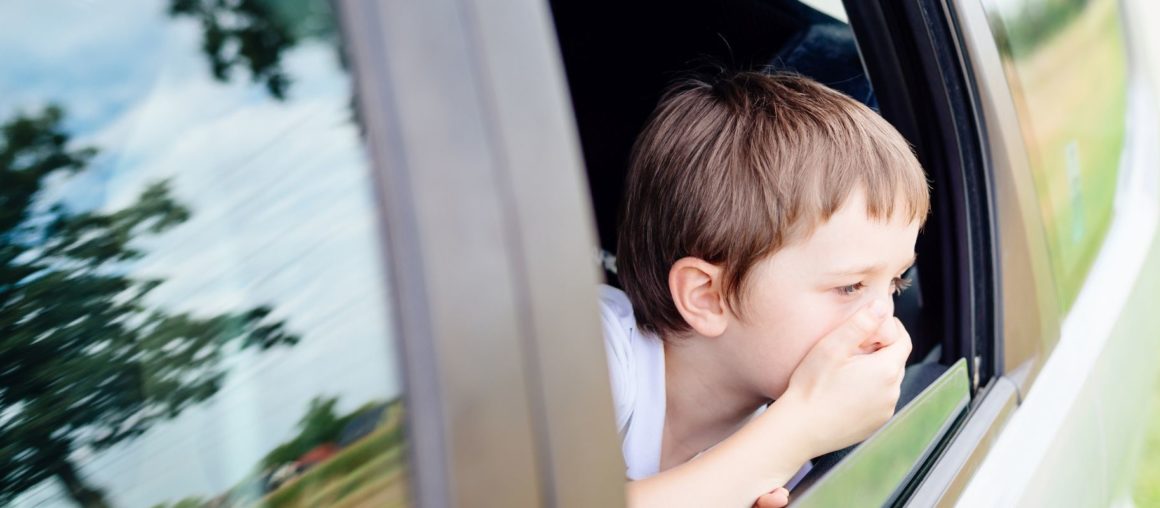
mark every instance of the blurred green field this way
{"type": "Point", "coordinates": [1146, 489]}
{"type": "Point", "coordinates": [1070, 119]}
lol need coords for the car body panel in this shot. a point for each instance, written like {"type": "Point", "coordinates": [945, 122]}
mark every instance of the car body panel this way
{"type": "Point", "coordinates": [1072, 439]}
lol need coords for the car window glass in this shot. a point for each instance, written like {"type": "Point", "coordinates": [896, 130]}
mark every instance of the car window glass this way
{"type": "Point", "coordinates": [1066, 65]}
{"type": "Point", "coordinates": [192, 307]}
{"type": "Point", "coordinates": [874, 473]}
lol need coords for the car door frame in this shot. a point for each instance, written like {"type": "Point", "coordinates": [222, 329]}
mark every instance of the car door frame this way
{"type": "Point", "coordinates": [477, 164]}
{"type": "Point", "coordinates": [1027, 286]}
{"type": "Point", "coordinates": [915, 55]}
{"type": "Point", "coordinates": [489, 241]}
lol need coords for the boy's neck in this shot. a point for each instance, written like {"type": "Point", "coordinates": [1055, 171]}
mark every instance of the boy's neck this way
{"type": "Point", "coordinates": [704, 402]}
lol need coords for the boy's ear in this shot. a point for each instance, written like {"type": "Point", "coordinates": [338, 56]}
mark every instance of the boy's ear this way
{"type": "Point", "coordinates": [695, 285]}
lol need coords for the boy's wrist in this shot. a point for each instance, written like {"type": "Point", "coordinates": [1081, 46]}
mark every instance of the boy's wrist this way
{"type": "Point", "coordinates": [789, 417]}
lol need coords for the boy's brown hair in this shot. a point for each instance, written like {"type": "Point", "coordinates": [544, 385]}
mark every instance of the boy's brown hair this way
{"type": "Point", "coordinates": [733, 169]}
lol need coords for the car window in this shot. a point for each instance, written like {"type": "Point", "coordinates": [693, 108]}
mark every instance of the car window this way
{"type": "Point", "coordinates": [877, 470]}
{"type": "Point", "coordinates": [1072, 121]}
{"type": "Point", "coordinates": [192, 307]}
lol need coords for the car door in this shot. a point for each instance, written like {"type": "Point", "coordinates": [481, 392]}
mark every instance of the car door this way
{"type": "Point", "coordinates": [1086, 185]}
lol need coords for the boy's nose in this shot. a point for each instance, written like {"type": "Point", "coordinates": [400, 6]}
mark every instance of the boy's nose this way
{"type": "Point", "coordinates": [889, 301]}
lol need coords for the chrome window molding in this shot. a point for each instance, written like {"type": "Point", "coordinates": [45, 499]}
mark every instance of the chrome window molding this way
{"type": "Point", "coordinates": [944, 482]}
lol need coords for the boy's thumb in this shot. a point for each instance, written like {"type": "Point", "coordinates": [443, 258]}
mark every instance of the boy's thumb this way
{"type": "Point", "coordinates": [862, 324]}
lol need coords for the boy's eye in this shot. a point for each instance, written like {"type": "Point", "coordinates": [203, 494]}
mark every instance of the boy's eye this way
{"type": "Point", "coordinates": [900, 284]}
{"type": "Point", "coordinates": [852, 289]}
{"type": "Point", "coordinates": [897, 286]}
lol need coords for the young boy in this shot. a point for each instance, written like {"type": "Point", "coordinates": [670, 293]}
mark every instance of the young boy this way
{"type": "Point", "coordinates": [767, 221]}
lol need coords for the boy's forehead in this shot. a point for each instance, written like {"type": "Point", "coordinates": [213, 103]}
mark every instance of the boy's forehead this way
{"type": "Point", "coordinates": [852, 269]}
{"type": "Point", "coordinates": [851, 239]}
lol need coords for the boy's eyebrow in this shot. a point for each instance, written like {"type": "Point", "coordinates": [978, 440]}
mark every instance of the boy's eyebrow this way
{"type": "Point", "coordinates": [862, 270]}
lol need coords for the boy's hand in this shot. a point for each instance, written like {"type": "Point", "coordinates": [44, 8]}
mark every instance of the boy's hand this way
{"type": "Point", "coordinates": [847, 385]}
{"type": "Point", "coordinates": [779, 498]}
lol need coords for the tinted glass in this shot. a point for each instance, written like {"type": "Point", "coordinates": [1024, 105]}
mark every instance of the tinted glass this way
{"type": "Point", "coordinates": [876, 472]}
{"type": "Point", "coordinates": [192, 311]}
{"type": "Point", "coordinates": [1066, 65]}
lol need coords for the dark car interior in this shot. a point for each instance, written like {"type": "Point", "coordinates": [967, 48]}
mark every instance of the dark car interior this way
{"type": "Point", "coordinates": [619, 57]}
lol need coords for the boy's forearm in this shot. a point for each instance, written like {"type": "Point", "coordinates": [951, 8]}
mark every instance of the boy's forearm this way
{"type": "Point", "coordinates": [761, 456]}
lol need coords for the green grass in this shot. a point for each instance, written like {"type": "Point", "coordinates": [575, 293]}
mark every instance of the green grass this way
{"type": "Point", "coordinates": [1146, 488]}
{"type": "Point", "coordinates": [356, 468]}
{"type": "Point", "coordinates": [339, 488]}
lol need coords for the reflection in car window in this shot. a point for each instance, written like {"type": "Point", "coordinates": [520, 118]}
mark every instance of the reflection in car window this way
{"type": "Point", "coordinates": [191, 304]}
{"type": "Point", "coordinates": [1066, 65]}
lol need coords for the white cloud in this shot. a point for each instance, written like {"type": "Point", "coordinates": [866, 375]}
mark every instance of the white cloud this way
{"type": "Point", "coordinates": [92, 58]}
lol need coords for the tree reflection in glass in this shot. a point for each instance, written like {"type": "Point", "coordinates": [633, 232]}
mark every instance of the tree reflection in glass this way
{"type": "Point", "coordinates": [190, 294]}
{"type": "Point", "coordinates": [86, 363]}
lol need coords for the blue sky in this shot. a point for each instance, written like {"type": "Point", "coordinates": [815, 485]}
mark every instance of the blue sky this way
{"type": "Point", "coordinates": [281, 216]}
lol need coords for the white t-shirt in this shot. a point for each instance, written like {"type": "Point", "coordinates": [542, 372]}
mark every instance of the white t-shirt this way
{"type": "Point", "coordinates": [636, 368]}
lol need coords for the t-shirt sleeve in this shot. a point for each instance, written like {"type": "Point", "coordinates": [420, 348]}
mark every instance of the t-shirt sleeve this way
{"type": "Point", "coordinates": [613, 308]}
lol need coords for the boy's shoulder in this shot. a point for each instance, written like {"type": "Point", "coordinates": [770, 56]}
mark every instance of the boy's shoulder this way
{"type": "Point", "coordinates": [616, 304]}
{"type": "Point", "coordinates": [636, 374]}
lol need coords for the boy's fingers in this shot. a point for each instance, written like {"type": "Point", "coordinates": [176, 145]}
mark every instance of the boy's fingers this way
{"type": "Point", "coordinates": [890, 330]}
{"type": "Point", "coordinates": [899, 350]}
{"type": "Point", "coordinates": [779, 498]}
{"type": "Point", "coordinates": [886, 334]}
{"type": "Point", "coordinates": [862, 325]}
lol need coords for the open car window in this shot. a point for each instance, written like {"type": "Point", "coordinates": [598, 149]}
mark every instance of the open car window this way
{"type": "Point", "coordinates": [880, 470]}
{"type": "Point", "coordinates": [899, 62]}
